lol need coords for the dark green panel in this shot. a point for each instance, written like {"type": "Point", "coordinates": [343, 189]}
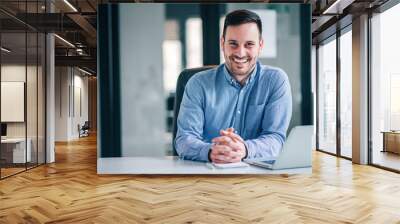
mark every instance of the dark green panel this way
{"type": "Point", "coordinates": [109, 80]}
{"type": "Point", "coordinates": [305, 40]}
{"type": "Point", "coordinates": [210, 15]}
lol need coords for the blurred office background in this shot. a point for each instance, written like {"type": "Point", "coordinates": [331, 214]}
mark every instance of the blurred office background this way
{"type": "Point", "coordinates": [156, 42]}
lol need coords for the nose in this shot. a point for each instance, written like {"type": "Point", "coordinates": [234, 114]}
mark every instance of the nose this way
{"type": "Point", "coordinates": [241, 51]}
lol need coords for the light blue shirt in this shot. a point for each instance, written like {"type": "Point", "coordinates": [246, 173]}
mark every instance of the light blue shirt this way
{"type": "Point", "coordinates": [259, 111]}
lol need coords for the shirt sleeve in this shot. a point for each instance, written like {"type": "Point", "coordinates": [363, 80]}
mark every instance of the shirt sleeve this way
{"type": "Point", "coordinates": [276, 119]}
{"type": "Point", "coordinates": [189, 142]}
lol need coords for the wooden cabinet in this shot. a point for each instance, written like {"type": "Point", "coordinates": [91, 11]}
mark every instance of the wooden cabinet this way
{"type": "Point", "coordinates": [391, 141]}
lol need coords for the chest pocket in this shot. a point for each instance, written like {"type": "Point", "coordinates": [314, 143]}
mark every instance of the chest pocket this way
{"type": "Point", "coordinates": [254, 116]}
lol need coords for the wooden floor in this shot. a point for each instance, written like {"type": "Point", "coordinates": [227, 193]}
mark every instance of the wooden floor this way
{"type": "Point", "coordinates": [70, 191]}
{"type": "Point", "coordinates": [5, 172]}
{"type": "Point", "coordinates": [387, 159]}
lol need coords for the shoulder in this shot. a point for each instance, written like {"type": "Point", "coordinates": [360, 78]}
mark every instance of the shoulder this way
{"type": "Point", "coordinates": [202, 78]}
{"type": "Point", "coordinates": [273, 74]}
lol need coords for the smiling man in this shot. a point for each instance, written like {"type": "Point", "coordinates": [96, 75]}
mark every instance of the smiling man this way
{"type": "Point", "coordinates": [241, 109]}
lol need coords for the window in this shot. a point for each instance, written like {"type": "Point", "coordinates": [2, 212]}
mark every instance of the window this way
{"type": "Point", "coordinates": [194, 43]}
{"type": "Point", "coordinates": [22, 68]}
{"type": "Point", "coordinates": [327, 97]}
{"type": "Point", "coordinates": [172, 55]}
{"type": "Point", "coordinates": [385, 88]}
{"type": "Point", "coordinates": [346, 94]}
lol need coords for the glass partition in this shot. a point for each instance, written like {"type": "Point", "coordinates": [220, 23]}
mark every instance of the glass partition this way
{"type": "Point", "coordinates": [385, 85]}
{"type": "Point", "coordinates": [22, 90]}
{"type": "Point", "coordinates": [346, 94]}
{"type": "Point", "coordinates": [327, 96]}
{"type": "Point", "coordinates": [41, 107]}
{"type": "Point", "coordinates": [31, 99]}
{"type": "Point", "coordinates": [14, 153]}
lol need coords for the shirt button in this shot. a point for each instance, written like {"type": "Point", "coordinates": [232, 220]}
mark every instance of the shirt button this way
{"type": "Point", "coordinates": [238, 111]}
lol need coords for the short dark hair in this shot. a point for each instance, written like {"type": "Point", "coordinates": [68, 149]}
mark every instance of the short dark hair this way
{"type": "Point", "coordinates": [239, 17]}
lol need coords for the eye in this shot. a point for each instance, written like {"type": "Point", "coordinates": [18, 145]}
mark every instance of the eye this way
{"type": "Point", "coordinates": [233, 44]}
{"type": "Point", "coordinates": [250, 45]}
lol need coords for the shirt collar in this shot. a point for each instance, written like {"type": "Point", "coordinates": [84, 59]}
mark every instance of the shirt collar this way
{"type": "Point", "coordinates": [234, 82]}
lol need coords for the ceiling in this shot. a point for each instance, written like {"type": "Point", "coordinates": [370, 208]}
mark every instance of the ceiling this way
{"type": "Point", "coordinates": [75, 22]}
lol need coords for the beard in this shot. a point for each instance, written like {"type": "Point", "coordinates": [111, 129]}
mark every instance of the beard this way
{"type": "Point", "coordinates": [240, 66]}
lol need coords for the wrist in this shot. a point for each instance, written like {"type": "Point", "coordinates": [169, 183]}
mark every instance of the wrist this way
{"type": "Point", "coordinates": [246, 152]}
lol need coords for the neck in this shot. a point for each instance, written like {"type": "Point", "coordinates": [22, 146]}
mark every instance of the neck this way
{"type": "Point", "coordinates": [241, 78]}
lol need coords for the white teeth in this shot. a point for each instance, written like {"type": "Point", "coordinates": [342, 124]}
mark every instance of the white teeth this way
{"type": "Point", "coordinates": [239, 61]}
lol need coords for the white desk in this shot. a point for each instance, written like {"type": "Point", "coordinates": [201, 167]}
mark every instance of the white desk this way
{"type": "Point", "coordinates": [174, 165]}
{"type": "Point", "coordinates": [19, 149]}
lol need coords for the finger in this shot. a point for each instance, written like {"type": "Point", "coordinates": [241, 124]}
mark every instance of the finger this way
{"type": "Point", "coordinates": [234, 154]}
{"type": "Point", "coordinates": [233, 136]}
{"type": "Point", "coordinates": [230, 129]}
{"type": "Point", "coordinates": [232, 160]}
{"type": "Point", "coordinates": [220, 150]}
{"type": "Point", "coordinates": [220, 158]}
{"type": "Point", "coordinates": [225, 149]}
{"type": "Point", "coordinates": [222, 140]}
{"type": "Point", "coordinates": [223, 132]}
{"type": "Point", "coordinates": [219, 161]}
{"type": "Point", "coordinates": [236, 160]}
{"type": "Point", "coordinates": [223, 158]}
{"type": "Point", "coordinates": [227, 152]}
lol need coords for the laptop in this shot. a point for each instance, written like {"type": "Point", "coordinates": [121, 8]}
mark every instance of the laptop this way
{"type": "Point", "coordinates": [296, 152]}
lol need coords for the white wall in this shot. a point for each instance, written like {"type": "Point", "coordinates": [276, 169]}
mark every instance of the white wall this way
{"type": "Point", "coordinates": [33, 126]}
{"type": "Point", "coordinates": [12, 73]}
{"type": "Point", "coordinates": [69, 84]}
{"type": "Point", "coordinates": [79, 117]}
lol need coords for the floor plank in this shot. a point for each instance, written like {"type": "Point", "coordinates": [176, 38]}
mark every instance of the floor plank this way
{"type": "Point", "coordinates": [70, 191]}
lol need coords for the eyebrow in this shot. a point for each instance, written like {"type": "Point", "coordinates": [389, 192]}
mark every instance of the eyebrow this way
{"type": "Point", "coordinates": [235, 41]}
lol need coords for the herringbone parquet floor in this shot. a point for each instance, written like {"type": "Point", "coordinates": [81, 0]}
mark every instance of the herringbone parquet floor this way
{"type": "Point", "coordinates": [70, 191]}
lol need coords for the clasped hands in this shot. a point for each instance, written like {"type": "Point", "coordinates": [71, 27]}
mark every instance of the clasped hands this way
{"type": "Point", "coordinates": [227, 148]}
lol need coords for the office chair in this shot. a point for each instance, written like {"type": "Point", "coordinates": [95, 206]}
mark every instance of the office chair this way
{"type": "Point", "coordinates": [180, 88]}
{"type": "Point", "coordinates": [84, 130]}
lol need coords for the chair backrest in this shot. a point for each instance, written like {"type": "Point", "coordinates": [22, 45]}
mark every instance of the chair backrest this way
{"type": "Point", "coordinates": [86, 125]}
{"type": "Point", "coordinates": [180, 88]}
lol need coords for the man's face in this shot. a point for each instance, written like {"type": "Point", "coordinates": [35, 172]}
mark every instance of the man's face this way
{"type": "Point", "coordinates": [241, 46]}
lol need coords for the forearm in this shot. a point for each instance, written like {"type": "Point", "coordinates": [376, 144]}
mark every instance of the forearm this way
{"type": "Point", "coordinates": [277, 115]}
{"type": "Point", "coordinates": [268, 145]}
{"type": "Point", "coordinates": [192, 148]}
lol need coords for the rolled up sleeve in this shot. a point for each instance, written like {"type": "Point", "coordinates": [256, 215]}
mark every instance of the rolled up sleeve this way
{"type": "Point", "coordinates": [189, 141]}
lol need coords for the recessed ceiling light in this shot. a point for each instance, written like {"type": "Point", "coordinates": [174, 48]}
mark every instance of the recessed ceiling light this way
{"type": "Point", "coordinates": [84, 71]}
{"type": "Point", "coordinates": [337, 7]}
{"type": "Point", "coordinates": [70, 5]}
{"type": "Point", "coordinates": [64, 40]}
{"type": "Point", "coordinates": [5, 50]}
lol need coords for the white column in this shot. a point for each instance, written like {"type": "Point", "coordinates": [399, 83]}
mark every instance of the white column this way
{"type": "Point", "coordinates": [50, 100]}
{"type": "Point", "coordinates": [360, 90]}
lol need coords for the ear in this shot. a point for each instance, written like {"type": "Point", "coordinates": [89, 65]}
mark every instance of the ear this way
{"type": "Point", "coordinates": [222, 42]}
{"type": "Point", "coordinates": [261, 44]}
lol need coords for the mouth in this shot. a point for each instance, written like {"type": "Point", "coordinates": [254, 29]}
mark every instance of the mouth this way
{"type": "Point", "coordinates": [240, 60]}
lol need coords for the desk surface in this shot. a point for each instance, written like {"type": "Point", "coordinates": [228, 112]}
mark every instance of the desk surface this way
{"type": "Point", "coordinates": [391, 132]}
{"type": "Point", "coordinates": [13, 140]}
{"type": "Point", "coordinates": [174, 165]}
